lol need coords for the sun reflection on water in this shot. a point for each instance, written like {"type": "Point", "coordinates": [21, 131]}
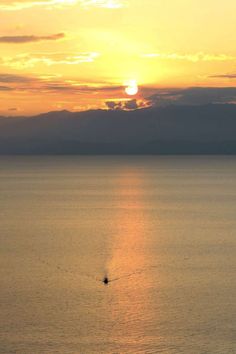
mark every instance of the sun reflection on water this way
{"type": "Point", "coordinates": [129, 262]}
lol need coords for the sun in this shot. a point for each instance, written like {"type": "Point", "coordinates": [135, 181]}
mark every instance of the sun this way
{"type": "Point", "coordinates": [131, 88]}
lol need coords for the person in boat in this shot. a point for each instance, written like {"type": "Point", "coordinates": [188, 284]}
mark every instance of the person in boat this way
{"type": "Point", "coordinates": [106, 280]}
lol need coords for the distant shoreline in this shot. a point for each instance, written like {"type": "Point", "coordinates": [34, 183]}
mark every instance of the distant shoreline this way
{"type": "Point", "coordinates": [171, 130]}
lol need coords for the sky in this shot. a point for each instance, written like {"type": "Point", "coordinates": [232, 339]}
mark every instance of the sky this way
{"type": "Point", "coordinates": [83, 54]}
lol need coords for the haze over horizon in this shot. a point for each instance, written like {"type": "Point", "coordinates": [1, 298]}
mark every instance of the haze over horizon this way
{"type": "Point", "coordinates": [83, 54]}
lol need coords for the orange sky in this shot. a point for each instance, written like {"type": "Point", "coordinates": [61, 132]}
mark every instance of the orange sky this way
{"type": "Point", "coordinates": [78, 54]}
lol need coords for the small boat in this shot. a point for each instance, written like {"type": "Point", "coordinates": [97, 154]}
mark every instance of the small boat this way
{"type": "Point", "coordinates": [105, 281]}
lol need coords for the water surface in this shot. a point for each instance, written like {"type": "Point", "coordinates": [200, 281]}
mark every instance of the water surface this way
{"type": "Point", "coordinates": [163, 228]}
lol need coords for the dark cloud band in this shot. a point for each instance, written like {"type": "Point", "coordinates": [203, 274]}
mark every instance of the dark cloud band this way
{"type": "Point", "coordinates": [12, 78]}
{"type": "Point", "coordinates": [193, 96]}
{"type": "Point", "coordinates": [224, 76]}
{"type": "Point", "coordinates": [31, 38]}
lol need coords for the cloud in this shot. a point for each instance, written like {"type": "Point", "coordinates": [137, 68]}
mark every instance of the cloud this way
{"type": "Point", "coordinates": [127, 104]}
{"type": "Point", "coordinates": [31, 38]}
{"type": "Point", "coordinates": [109, 4]}
{"type": "Point", "coordinates": [131, 104]}
{"type": "Point", "coordinates": [223, 76]}
{"type": "Point", "coordinates": [10, 5]}
{"type": "Point", "coordinates": [194, 96]}
{"type": "Point", "coordinates": [5, 88]}
{"type": "Point", "coordinates": [113, 105]}
{"type": "Point", "coordinates": [197, 57]}
{"type": "Point", "coordinates": [56, 84]}
{"type": "Point", "coordinates": [77, 88]}
{"type": "Point", "coordinates": [13, 78]}
{"type": "Point", "coordinates": [27, 60]}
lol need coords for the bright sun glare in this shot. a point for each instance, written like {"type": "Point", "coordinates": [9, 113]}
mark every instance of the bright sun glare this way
{"type": "Point", "coordinates": [131, 88]}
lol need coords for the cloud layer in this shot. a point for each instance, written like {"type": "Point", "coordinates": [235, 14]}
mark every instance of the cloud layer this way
{"type": "Point", "coordinates": [30, 38]}
{"type": "Point", "coordinates": [160, 97]}
{"type": "Point", "coordinates": [27, 60]}
{"type": "Point", "coordinates": [132, 104]}
{"type": "Point", "coordinates": [10, 5]}
{"type": "Point", "coordinates": [13, 78]}
{"type": "Point", "coordinates": [195, 57]}
{"type": "Point", "coordinates": [224, 76]}
{"type": "Point", "coordinates": [194, 96]}
{"type": "Point", "coordinates": [54, 84]}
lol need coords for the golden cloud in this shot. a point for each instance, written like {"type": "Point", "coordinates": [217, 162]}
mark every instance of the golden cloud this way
{"type": "Point", "coordinates": [189, 57]}
{"type": "Point", "coordinates": [27, 60]}
{"type": "Point", "coordinates": [10, 5]}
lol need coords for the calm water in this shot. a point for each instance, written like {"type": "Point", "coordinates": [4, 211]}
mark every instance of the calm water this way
{"type": "Point", "coordinates": [163, 228]}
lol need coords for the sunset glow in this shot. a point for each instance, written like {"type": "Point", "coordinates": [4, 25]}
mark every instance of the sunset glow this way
{"type": "Point", "coordinates": [77, 54]}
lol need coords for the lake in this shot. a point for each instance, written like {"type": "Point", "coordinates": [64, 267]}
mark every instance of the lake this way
{"type": "Point", "coordinates": [162, 229]}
